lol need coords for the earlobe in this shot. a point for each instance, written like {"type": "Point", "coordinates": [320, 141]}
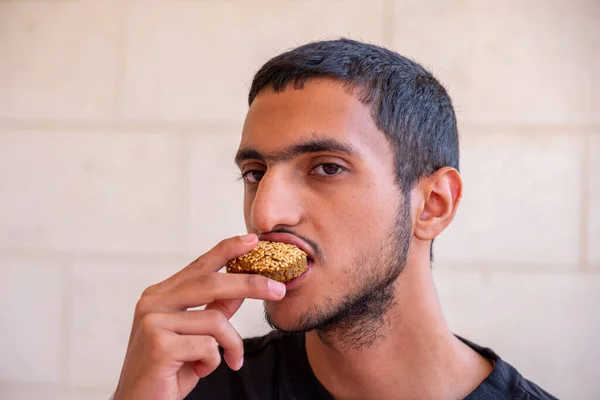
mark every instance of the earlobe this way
{"type": "Point", "coordinates": [441, 194]}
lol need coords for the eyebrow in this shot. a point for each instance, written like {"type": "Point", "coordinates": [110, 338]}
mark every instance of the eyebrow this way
{"type": "Point", "coordinates": [293, 151]}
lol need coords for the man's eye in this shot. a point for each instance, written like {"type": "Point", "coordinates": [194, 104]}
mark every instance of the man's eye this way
{"type": "Point", "coordinates": [328, 169]}
{"type": "Point", "coordinates": [252, 176]}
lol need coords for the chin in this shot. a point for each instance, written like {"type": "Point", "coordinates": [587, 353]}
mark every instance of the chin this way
{"type": "Point", "coordinates": [285, 316]}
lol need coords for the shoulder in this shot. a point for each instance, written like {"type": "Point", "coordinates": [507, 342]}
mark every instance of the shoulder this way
{"type": "Point", "coordinates": [505, 382]}
{"type": "Point", "coordinates": [528, 390]}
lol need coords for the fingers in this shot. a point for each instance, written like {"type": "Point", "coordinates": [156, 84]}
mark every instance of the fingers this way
{"type": "Point", "coordinates": [167, 339]}
{"type": "Point", "coordinates": [227, 249]}
{"type": "Point", "coordinates": [208, 288]}
{"type": "Point", "coordinates": [201, 323]}
{"type": "Point", "coordinates": [247, 286]}
{"type": "Point", "coordinates": [212, 261]}
{"type": "Point", "coordinates": [197, 349]}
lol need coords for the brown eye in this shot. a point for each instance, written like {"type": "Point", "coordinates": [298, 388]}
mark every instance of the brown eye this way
{"type": "Point", "coordinates": [328, 169]}
{"type": "Point", "coordinates": [253, 176]}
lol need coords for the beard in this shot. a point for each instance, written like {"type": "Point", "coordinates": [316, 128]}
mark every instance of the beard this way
{"type": "Point", "coordinates": [357, 320]}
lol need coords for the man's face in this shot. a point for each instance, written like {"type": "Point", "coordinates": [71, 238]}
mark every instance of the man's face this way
{"type": "Point", "coordinates": [317, 168]}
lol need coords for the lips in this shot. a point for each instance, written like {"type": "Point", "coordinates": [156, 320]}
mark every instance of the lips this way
{"type": "Point", "coordinates": [289, 239]}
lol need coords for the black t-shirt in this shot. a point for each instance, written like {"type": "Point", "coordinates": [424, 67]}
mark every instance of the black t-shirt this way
{"type": "Point", "coordinates": [276, 367]}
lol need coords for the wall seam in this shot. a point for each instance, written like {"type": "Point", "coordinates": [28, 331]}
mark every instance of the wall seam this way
{"type": "Point", "coordinates": [66, 322]}
{"type": "Point", "coordinates": [585, 195]}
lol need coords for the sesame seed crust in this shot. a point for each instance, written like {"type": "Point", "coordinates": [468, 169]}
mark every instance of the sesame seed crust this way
{"type": "Point", "coordinates": [279, 261]}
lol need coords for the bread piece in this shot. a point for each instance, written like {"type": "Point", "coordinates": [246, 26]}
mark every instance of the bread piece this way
{"type": "Point", "coordinates": [279, 261]}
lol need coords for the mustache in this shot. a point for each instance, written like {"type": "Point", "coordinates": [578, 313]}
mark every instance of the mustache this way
{"type": "Point", "coordinates": [315, 248]}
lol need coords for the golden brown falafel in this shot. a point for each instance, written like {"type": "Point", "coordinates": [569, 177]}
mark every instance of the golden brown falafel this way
{"type": "Point", "coordinates": [279, 261]}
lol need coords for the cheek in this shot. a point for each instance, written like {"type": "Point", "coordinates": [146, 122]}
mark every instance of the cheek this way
{"type": "Point", "coordinates": [355, 225]}
{"type": "Point", "coordinates": [363, 216]}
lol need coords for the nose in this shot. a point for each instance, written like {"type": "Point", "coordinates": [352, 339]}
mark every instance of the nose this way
{"type": "Point", "coordinates": [276, 203]}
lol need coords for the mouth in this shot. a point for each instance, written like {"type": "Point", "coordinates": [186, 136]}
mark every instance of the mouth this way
{"type": "Point", "coordinates": [289, 285]}
{"type": "Point", "coordinates": [301, 244]}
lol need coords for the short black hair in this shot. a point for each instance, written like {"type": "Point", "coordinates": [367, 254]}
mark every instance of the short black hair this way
{"type": "Point", "coordinates": [408, 104]}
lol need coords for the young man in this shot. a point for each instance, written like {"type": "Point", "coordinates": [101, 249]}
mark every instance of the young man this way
{"type": "Point", "coordinates": [349, 151]}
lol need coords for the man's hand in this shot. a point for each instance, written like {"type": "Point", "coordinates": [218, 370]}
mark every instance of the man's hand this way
{"type": "Point", "coordinates": [170, 348]}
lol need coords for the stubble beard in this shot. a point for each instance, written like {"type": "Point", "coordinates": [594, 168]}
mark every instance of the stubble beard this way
{"type": "Point", "coordinates": [358, 319]}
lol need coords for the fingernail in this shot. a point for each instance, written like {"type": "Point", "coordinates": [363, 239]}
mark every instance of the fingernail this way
{"type": "Point", "coordinates": [248, 238]}
{"type": "Point", "coordinates": [277, 288]}
{"type": "Point", "coordinates": [241, 363]}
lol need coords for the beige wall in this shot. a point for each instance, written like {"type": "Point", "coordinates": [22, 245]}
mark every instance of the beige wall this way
{"type": "Point", "coordinates": [118, 123]}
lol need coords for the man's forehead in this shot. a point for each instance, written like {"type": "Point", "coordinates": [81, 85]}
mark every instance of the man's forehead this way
{"type": "Point", "coordinates": [322, 110]}
{"type": "Point", "coordinates": [319, 106]}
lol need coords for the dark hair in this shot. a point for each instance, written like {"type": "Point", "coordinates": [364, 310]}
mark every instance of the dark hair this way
{"type": "Point", "coordinates": [408, 104]}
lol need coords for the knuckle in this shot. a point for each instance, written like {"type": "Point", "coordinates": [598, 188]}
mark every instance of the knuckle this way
{"type": "Point", "coordinates": [212, 357]}
{"type": "Point", "coordinates": [141, 307]}
{"type": "Point", "coordinates": [222, 246]}
{"type": "Point", "coordinates": [256, 283]}
{"type": "Point", "coordinates": [198, 263]}
{"type": "Point", "coordinates": [217, 319]}
{"type": "Point", "coordinates": [206, 280]}
{"type": "Point", "coordinates": [149, 322]}
{"type": "Point", "coordinates": [188, 346]}
{"type": "Point", "coordinates": [208, 285]}
{"type": "Point", "coordinates": [203, 284]}
{"type": "Point", "coordinates": [211, 344]}
{"type": "Point", "coordinates": [144, 305]}
{"type": "Point", "coordinates": [149, 290]}
{"type": "Point", "coordinates": [159, 346]}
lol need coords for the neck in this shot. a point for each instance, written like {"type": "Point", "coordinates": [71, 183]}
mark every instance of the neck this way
{"type": "Point", "coordinates": [414, 354]}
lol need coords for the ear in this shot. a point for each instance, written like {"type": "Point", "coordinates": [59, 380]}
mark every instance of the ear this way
{"type": "Point", "coordinates": [438, 198]}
